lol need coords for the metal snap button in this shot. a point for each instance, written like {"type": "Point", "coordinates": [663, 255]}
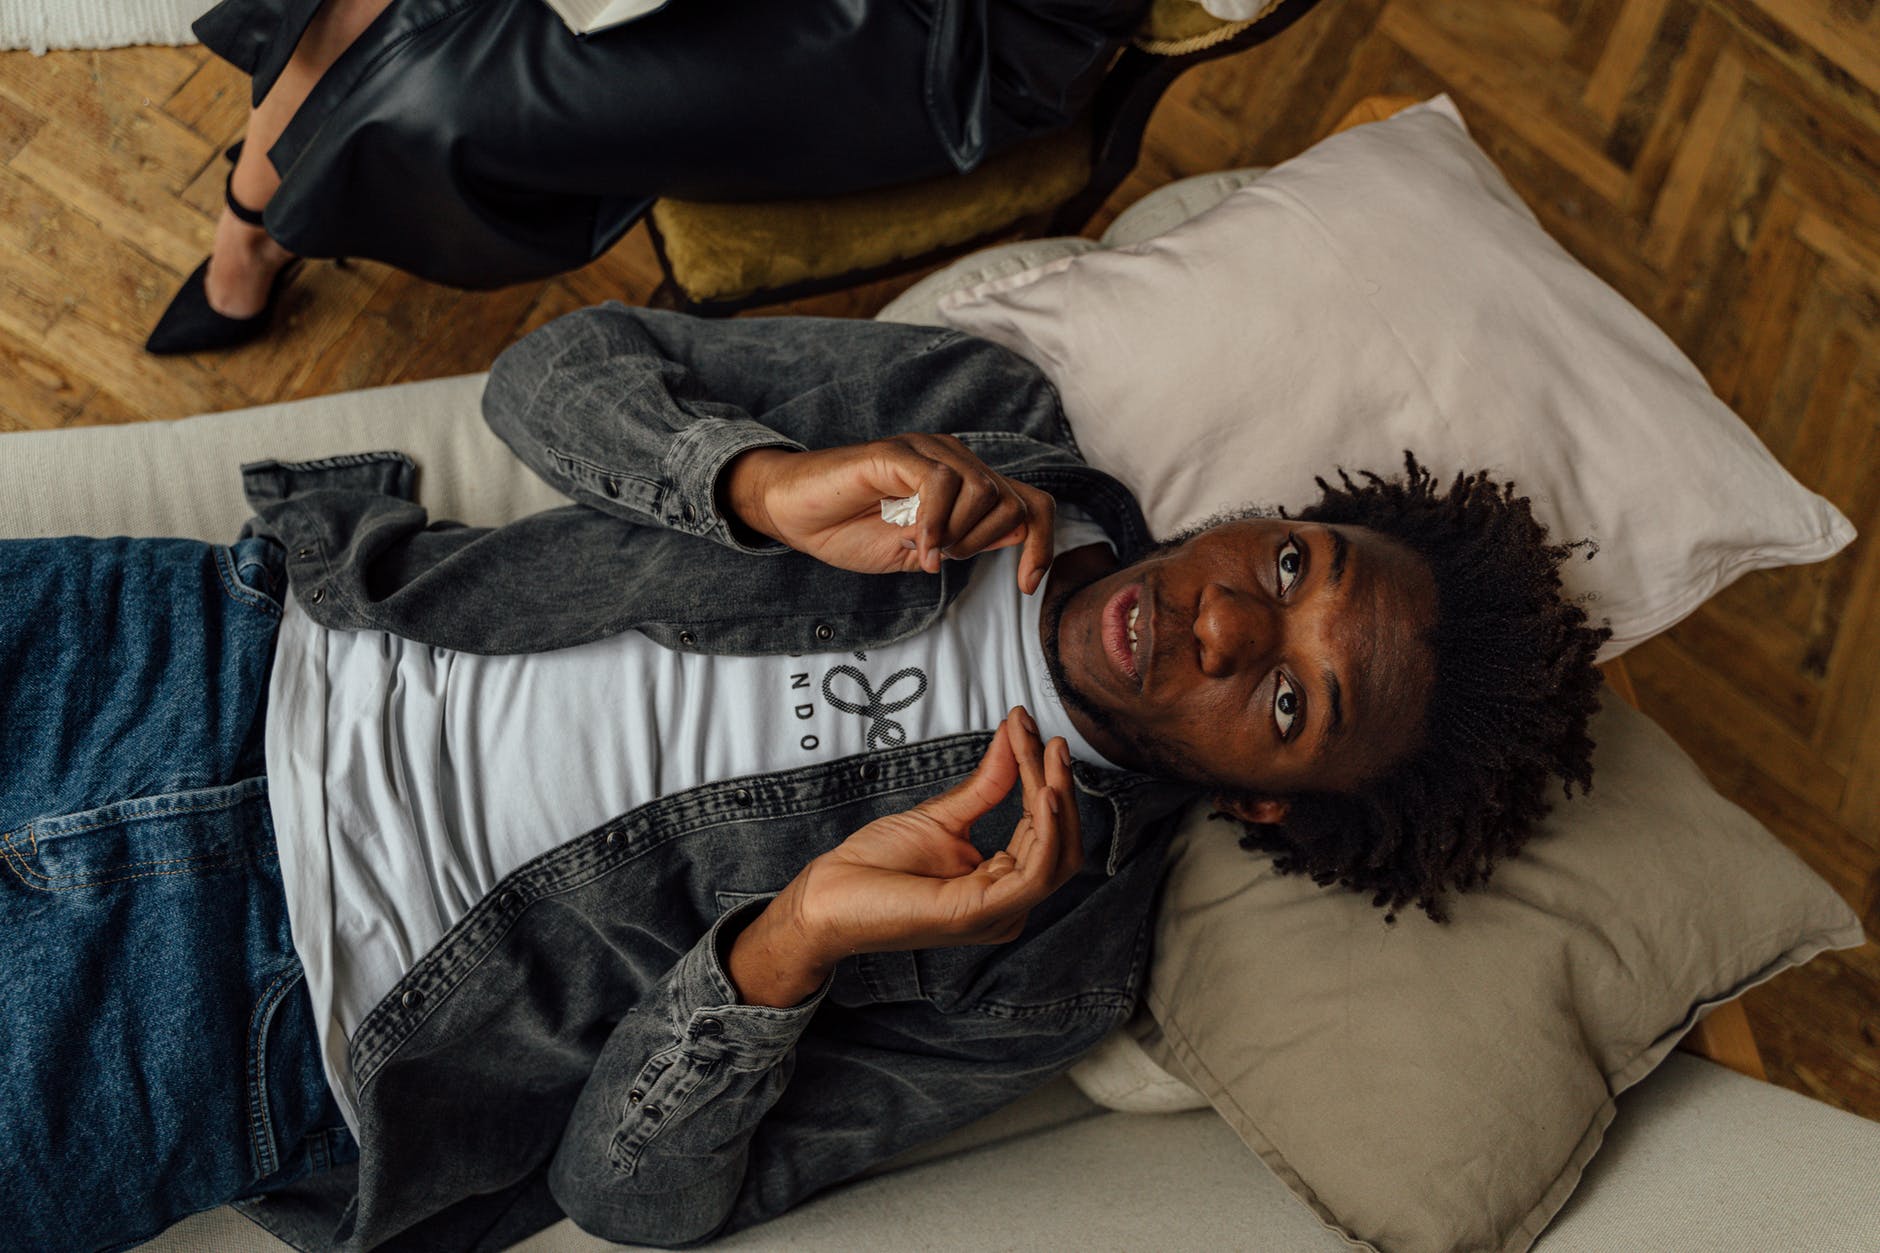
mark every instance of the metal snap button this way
{"type": "Point", "coordinates": [318, 595]}
{"type": "Point", "coordinates": [744, 796]}
{"type": "Point", "coordinates": [711, 1026]}
{"type": "Point", "coordinates": [507, 900]}
{"type": "Point", "coordinates": [687, 638]}
{"type": "Point", "coordinates": [411, 998]}
{"type": "Point", "coordinates": [613, 488]}
{"type": "Point", "coordinates": [636, 1096]}
{"type": "Point", "coordinates": [687, 512]}
{"type": "Point", "coordinates": [870, 771]}
{"type": "Point", "coordinates": [613, 837]}
{"type": "Point", "coordinates": [825, 632]}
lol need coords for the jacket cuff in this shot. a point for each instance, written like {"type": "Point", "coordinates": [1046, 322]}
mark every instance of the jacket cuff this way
{"type": "Point", "coordinates": [385, 473]}
{"type": "Point", "coordinates": [708, 1018]}
{"type": "Point", "coordinates": [694, 462]}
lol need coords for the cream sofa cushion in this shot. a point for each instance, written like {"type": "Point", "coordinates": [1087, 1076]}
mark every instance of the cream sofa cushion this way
{"type": "Point", "coordinates": [183, 478]}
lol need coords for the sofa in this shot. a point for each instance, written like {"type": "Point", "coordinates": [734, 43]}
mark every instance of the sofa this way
{"type": "Point", "coordinates": [1700, 1157]}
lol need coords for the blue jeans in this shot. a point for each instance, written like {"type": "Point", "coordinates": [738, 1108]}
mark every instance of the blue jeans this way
{"type": "Point", "coordinates": [158, 1042]}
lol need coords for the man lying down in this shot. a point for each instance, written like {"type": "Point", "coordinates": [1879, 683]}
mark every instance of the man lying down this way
{"type": "Point", "coordinates": [666, 858]}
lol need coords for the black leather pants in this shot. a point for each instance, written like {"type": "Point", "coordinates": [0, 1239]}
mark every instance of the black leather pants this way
{"type": "Point", "coordinates": [479, 143]}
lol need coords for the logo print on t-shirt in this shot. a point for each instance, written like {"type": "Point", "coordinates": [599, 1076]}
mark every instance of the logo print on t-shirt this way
{"type": "Point", "coordinates": [875, 705]}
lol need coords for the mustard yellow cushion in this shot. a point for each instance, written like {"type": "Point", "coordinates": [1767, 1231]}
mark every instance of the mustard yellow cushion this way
{"type": "Point", "coordinates": [1170, 20]}
{"type": "Point", "coordinates": [718, 251]}
{"type": "Point", "coordinates": [1175, 27]}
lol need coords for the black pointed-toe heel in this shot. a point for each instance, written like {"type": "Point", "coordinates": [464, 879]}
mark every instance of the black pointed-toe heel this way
{"type": "Point", "coordinates": [190, 324]}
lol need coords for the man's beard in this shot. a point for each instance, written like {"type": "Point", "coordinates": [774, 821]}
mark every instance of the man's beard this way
{"type": "Point", "coordinates": [1073, 696]}
{"type": "Point", "coordinates": [1156, 757]}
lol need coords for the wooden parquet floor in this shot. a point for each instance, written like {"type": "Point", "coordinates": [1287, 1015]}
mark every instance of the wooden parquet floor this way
{"type": "Point", "coordinates": [1718, 161]}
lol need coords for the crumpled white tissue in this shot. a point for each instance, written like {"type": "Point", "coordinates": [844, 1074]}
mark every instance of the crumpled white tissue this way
{"type": "Point", "coordinates": [900, 512]}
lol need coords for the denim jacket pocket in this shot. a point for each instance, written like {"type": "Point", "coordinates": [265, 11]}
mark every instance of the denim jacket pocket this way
{"type": "Point", "coordinates": [875, 979]}
{"type": "Point", "coordinates": [729, 900]}
{"type": "Point", "coordinates": [178, 833]}
{"type": "Point", "coordinates": [996, 981]}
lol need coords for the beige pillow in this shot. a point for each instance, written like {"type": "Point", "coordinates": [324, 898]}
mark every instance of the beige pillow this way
{"type": "Point", "coordinates": [1388, 290]}
{"type": "Point", "coordinates": [1429, 1088]}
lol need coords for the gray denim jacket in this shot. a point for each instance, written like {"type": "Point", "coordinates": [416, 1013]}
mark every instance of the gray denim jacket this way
{"type": "Point", "coordinates": [574, 1044]}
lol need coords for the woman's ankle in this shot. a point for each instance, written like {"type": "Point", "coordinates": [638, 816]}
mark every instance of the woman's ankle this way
{"type": "Point", "coordinates": [242, 268]}
{"type": "Point", "coordinates": [253, 181]}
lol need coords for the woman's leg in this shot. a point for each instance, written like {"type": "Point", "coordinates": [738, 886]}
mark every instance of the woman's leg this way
{"type": "Point", "coordinates": [157, 1052]}
{"type": "Point", "coordinates": [479, 143]}
{"type": "Point", "coordinates": [245, 260]}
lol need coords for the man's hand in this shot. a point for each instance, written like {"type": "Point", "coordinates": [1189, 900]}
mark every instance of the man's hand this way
{"type": "Point", "coordinates": [827, 503]}
{"type": "Point", "coordinates": [914, 879]}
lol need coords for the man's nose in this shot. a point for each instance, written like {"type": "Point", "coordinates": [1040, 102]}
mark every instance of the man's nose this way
{"type": "Point", "coordinates": [1233, 629]}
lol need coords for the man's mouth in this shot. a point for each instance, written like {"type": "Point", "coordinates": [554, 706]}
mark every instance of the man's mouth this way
{"type": "Point", "coordinates": [1126, 633]}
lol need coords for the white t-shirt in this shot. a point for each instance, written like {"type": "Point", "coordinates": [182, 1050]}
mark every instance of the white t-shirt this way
{"type": "Point", "coordinates": [405, 781]}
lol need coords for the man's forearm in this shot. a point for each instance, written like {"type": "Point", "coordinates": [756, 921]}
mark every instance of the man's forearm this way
{"type": "Point", "coordinates": [595, 404]}
{"type": "Point", "coordinates": [741, 491]}
{"type": "Point", "coordinates": [773, 962]}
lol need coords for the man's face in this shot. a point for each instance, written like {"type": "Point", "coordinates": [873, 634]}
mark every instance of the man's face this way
{"type": "Point", "coordinates": [1271, 656]}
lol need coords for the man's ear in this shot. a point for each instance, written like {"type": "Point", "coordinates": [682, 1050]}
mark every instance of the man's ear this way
{"type": "Point", "coordinates": [1269, 810]}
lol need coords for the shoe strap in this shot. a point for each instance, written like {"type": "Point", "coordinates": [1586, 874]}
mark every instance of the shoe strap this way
{"type": "Point", "coordinates": [241, 211]}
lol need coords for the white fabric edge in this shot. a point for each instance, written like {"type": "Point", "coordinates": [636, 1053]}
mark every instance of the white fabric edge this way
{"type": "Point", "coordinates": [1839, 534]}
{"type": "Point", "coordinates": [1119, 1074]}
{"type": "Point", "coordinates": [39, 26]}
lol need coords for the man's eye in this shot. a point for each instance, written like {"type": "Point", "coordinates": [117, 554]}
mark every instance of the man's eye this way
{"type": "Point", "coordinates": [1285, 705]}
{"type": "Point", "coordinates": [1292, 559]}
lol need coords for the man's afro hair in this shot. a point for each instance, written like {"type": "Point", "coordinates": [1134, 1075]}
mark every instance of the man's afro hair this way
{"type": "Point", "coordinates": [1513, 687]}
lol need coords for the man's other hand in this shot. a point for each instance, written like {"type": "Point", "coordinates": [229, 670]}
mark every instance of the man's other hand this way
{"type": "Point", "coordinates": [914, 880]}
{"type": "Point", "coordinates": [827, 503]}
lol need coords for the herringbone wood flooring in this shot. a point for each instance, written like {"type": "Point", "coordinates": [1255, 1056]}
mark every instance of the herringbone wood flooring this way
{"type": "Point", "coordinates": [1718, 161]}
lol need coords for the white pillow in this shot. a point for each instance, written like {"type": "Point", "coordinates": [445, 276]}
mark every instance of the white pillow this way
{"type": "Point", "coordinates": [1387, 290]}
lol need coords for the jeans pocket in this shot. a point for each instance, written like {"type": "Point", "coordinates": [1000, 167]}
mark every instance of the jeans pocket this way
{"type": "Point", "coordinates": [287, 1092]}
{"type": "Point", "coordinates": [254, 573]}
{"type": "Point", "coordinates": [178, 833]}
{"type": "Point", "coordinates": [160, 1058]}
